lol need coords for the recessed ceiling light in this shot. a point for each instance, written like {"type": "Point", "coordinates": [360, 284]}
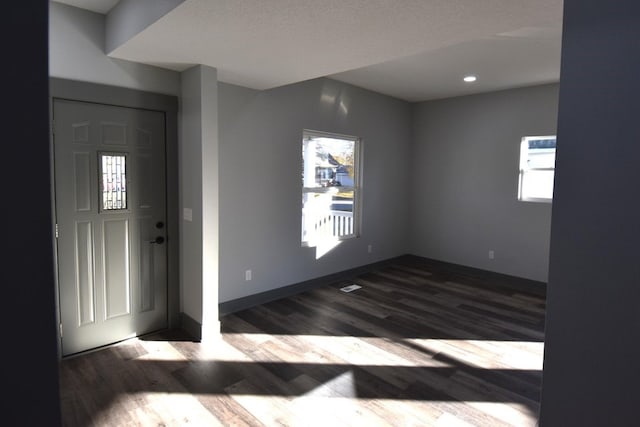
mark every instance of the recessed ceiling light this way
{"type": "Point", "coordinates": [470, 79]}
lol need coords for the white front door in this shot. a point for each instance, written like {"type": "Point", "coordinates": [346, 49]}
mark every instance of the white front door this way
{"type": "Point", "coordinates": [110, 198]}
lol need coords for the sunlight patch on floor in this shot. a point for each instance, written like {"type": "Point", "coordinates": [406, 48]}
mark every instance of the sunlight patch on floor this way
{"type": "Point", "coordinates": [322, 411]}
{"type": "Point", "coordinates": [512, 413]}
{"type": "Point", "coordinates": [325, 406]}
{"type": "Point", "coordinates": [174, 409]}
{"type": "Point", "coordinates": [336, 401]}
{"type": "Point", "coordinates": [359, 351]}
{"type": "Point", "coordinates": [487, 354]}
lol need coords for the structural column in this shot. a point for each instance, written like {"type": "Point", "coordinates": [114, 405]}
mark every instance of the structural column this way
{"type": "Point", "coordinates": [199, 261]}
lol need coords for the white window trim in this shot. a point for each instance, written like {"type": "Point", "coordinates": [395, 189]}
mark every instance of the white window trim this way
{"type": "Point", "coordinates": [522, 171]}
{"type": "Point", "coordinates": [356, 188]}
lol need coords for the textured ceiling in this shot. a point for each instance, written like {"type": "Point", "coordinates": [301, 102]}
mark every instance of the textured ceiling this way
{"type": "Point", "coordinates": [411, 49]}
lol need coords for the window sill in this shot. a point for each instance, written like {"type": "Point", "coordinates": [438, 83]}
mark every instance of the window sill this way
{"type": "Point", "coordinates": [536, 200]}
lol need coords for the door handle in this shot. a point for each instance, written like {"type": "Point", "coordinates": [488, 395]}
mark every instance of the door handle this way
{"type": "Point", "coordinates": [159, 240]}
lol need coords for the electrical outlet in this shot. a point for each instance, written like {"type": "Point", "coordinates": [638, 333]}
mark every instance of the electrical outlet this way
{"type": "Point", "coordinates": [491, 255]}
{"type": "Point", "coordinates": [247, 275]}
{"type": "Point", "coordinates": [369, 248]}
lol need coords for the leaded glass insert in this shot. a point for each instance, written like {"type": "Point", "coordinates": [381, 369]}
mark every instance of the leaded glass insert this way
{"type": "Point", "coordinates": [114, 181]}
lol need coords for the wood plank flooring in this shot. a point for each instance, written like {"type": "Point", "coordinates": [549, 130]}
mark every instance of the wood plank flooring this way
{"type": "Point", "coordinates": [412, 347]}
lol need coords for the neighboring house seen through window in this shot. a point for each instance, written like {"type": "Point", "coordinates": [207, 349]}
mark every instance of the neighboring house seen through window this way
{"type": "Point", "coordinates": [537, 168]}
{"type": "Point", "coordinates": [330, 187]}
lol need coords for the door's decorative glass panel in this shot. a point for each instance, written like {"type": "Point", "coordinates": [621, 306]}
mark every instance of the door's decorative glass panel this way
{"type": "Point", "coordinates": [113, 170]}
{"type": "Point", "coordinates": [84, 273]}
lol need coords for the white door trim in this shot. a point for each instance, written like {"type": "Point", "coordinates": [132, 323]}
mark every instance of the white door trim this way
{"type": "Point", "coordinates": [124, 97]}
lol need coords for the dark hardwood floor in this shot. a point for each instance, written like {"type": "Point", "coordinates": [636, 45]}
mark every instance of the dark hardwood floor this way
{"type": "Point", "coordinates": [415, 346]}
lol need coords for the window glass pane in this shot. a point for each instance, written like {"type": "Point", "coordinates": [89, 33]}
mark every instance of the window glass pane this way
{"type": "Point", "coordinates": [537, 165]}
{"type": "Point", "coordinates": [541, 152]}
{"type": "Point", "coordinates": [342, 202]}
{"type": "Point", "coordinates": [329, 187]}
{"type": "Point", "coordinates": [114, 181]}
{"type": "Point", "coordinates": [541, 143]}
{"type": "Point", "coordinates": [328, 162]}
{"type": "Point", "coordinates": [327, 214]}
{"type": "Point", "coordinates": [537, 184]}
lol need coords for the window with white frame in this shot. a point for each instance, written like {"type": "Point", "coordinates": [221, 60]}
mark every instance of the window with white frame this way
{"type": "Point", "coordinates": [330, 187]}
{"type": "Point", "coordinates": [537, 168]}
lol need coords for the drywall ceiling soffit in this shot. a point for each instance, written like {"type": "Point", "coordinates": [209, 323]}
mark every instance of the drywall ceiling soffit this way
{"type": "Point", "coordinates": [410, 49]}
{"type": "Point", "coordinates": [500, 62]}
{"type": "Point", "coordinates": [98, 6]}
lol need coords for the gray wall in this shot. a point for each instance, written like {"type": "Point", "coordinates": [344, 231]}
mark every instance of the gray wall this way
{"type": "Point", "coordinates": [591, 373]}
{"type": "Point", "coordinates": [76, 52]}
{"type": "Point", "coordinates": [260, 184]}
{"type": "Point", "coordinates": [465, 162]}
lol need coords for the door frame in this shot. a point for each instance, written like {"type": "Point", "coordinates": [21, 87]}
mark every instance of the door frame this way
{"type": "Point", "coordinates": [123, 97]}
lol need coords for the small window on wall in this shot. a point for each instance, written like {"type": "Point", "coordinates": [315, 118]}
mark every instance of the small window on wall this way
{"type": "Point", "coordinates": [113, 181]}
{"type": "Point", "coordinates": [537, 168]}
{"type": "Point", "coordinates": [330, 187]}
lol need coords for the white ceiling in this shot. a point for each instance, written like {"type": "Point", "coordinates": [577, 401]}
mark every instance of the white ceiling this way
{"type": "Point", "coordinates": [100, 6]}
{"type": "Point", "coordinates": [411, 49]}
